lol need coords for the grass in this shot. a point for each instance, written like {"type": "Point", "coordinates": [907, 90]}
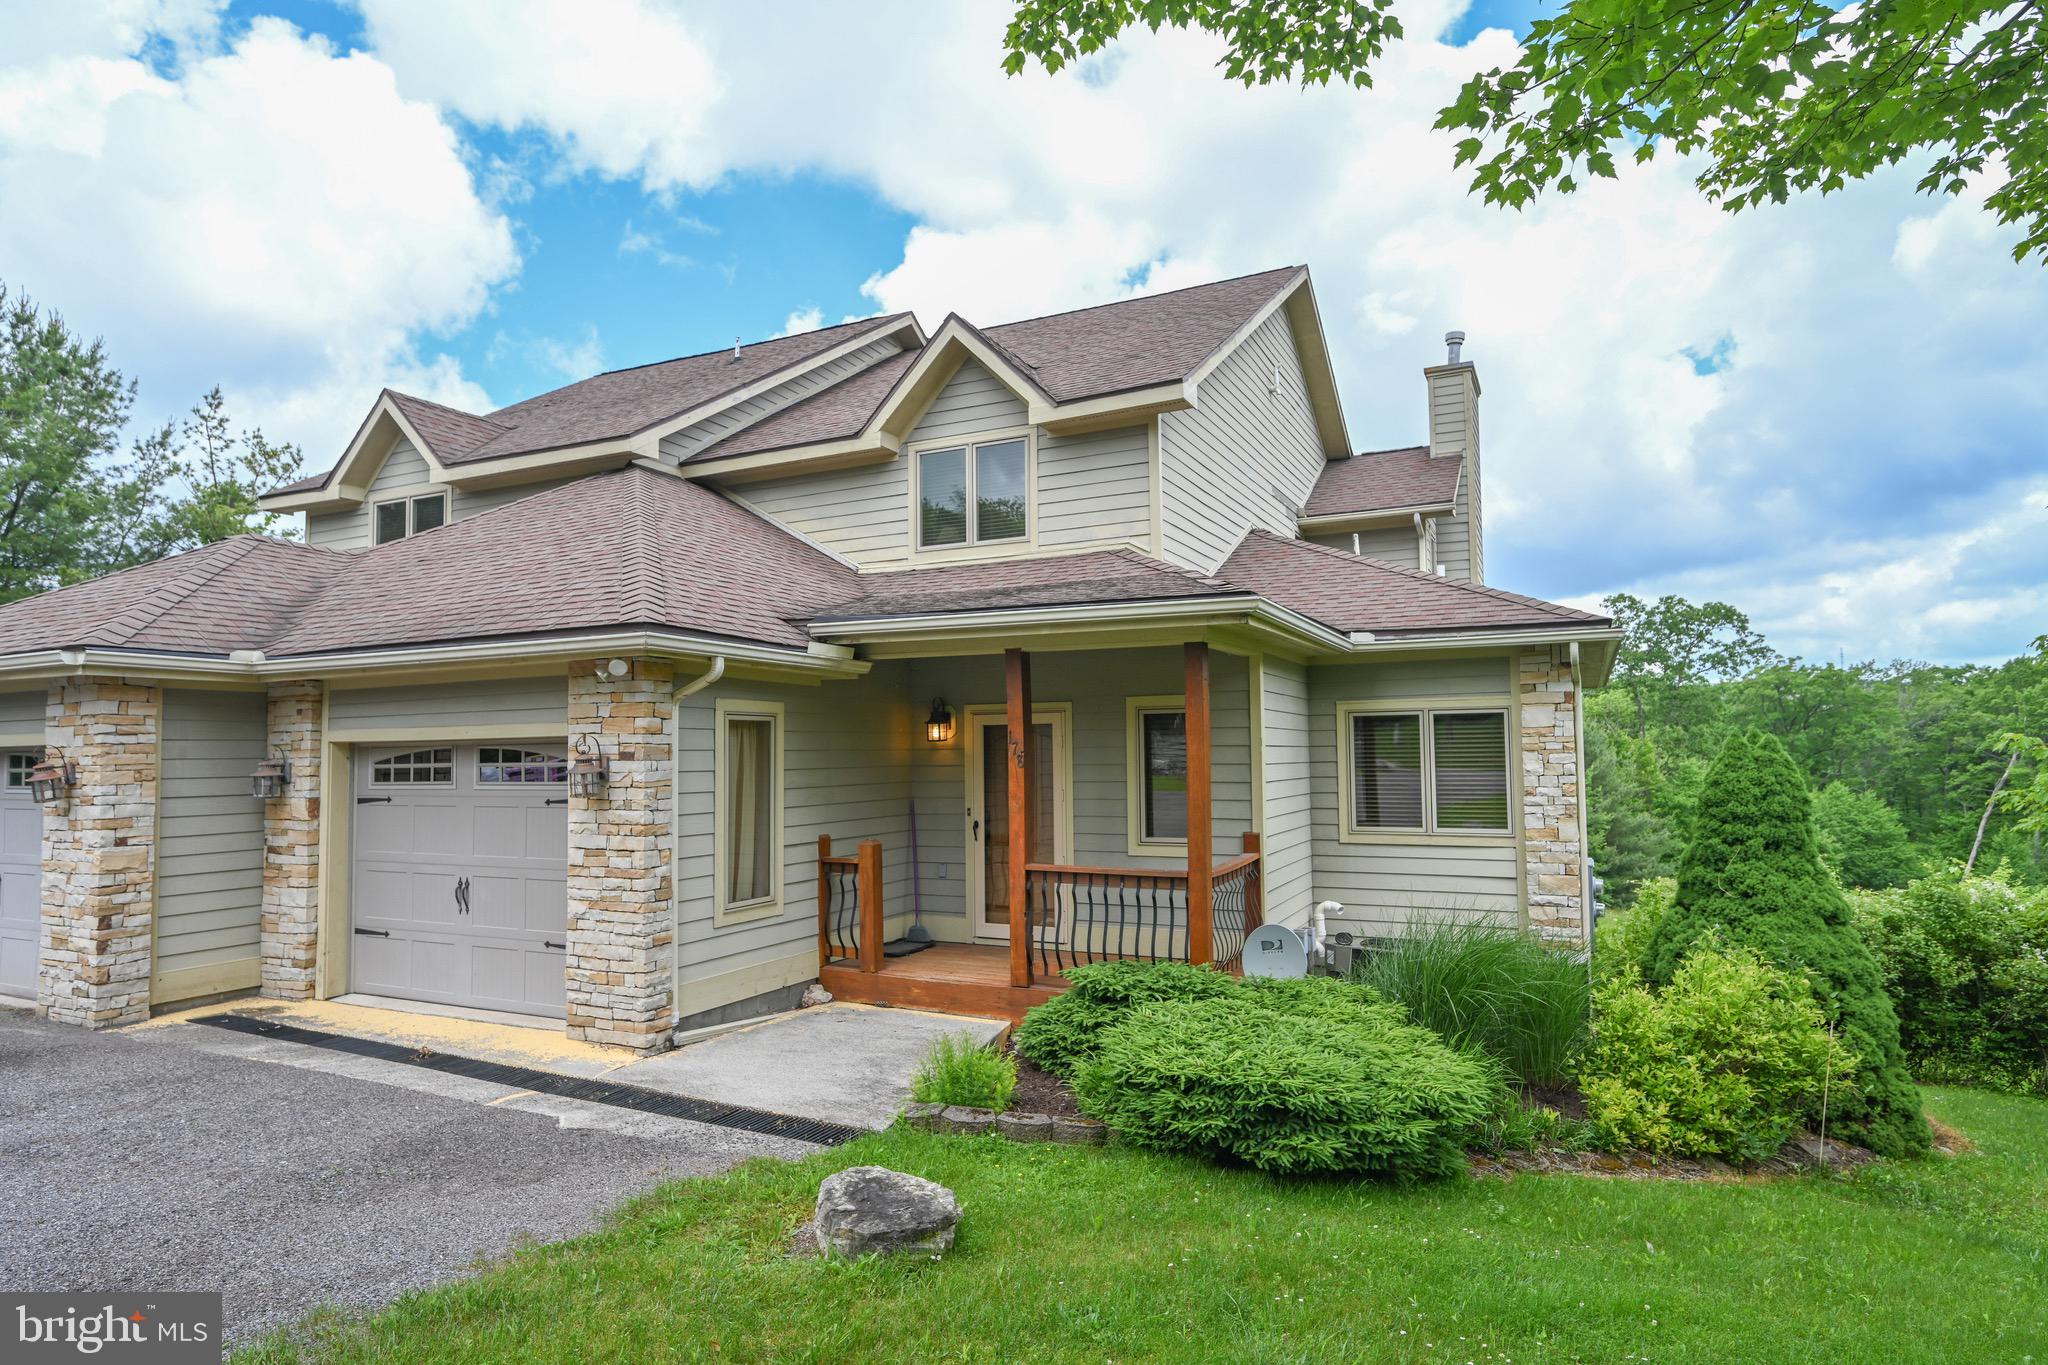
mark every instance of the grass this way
{"type": "Point", "coordinates": [1497, 989]}
{"type": "Point", "coordinates": [1110, 1254]}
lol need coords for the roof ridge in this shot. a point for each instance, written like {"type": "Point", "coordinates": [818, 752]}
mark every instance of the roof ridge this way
{"type": "Point", "coordinates": [1140, 298]}
{"type": "Point", "coordinates": [874, 320]}
{"type": "Point", "coordinates": [1396, 450]}
{"type": "Point", "coordinates": [1461, 584]}
{"type": "Point", "coordinates": [203, 573]}
{"type": "Point", "coordinates": [444, 407]}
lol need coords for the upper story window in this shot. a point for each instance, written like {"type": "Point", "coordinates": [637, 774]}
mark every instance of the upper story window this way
{"type": "Point", "coordinates": [410, 516]}
{"type": "Point", "coordinates": [1427, 771]}
{"type": "Point", "coordinates": [973, 494]}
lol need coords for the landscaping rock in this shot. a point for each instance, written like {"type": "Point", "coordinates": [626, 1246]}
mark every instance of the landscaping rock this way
{"type": "Point", "coordinates": [814, 994]}
{"type": "Point", "coordinates": [874, 1211]}
{"type": "Point", "coordinates": [924, 1117]}
{"type": "Point", "coordinates": [1025, 1127]}
{"type": "Point", "coordinates": [1079, 1132]}
{"type": "Point", "coordinates": [958, 1118]}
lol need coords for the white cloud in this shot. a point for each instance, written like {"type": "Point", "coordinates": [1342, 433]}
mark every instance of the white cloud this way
{"type": "Point", "coordinates": [270, 215]}
{"type": "Point", "coordinates": [802, 320]}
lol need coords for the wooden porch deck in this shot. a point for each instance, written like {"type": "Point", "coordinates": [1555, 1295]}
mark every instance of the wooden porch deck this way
{"type": "Point", "coordinates": [951, 978]}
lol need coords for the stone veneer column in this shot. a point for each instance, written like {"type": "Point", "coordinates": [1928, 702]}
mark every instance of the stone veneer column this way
{"type": "Point", "coordinates": [99, 854]}
{"type": "Point", "coordinates": [1552, 767]}
{"type": "Point", "coordinates": [621, 956]}
{"type": "Point", "coordinates": [291, 846]}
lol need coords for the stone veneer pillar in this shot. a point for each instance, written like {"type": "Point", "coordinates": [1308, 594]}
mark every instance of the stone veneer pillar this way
{"type": "Point", "coordinates": [1552, 775]}
{"type": "Point", "coordinates": [99, 854]}
{"type": "Point", "coordinates": [291, 846]}
{"type": "Point", "coordinates": [621, 955]}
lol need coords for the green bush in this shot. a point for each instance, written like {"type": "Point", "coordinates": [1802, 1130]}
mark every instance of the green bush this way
{"type": "Point", "coordinates": [1496, 989]}
{"type": "Point", "coordinates": [1289, 1092]}
{"type": "Point", "coordinates": [1862, 840]}
{"type": "Point", "coordinates": [1622, 939]}
{"type": "Point", "coordinates": [1728, 1060]}
{"type": "Point", "coordinates": [1966, 958]}
{"type": "Point", "coordinates": [1519, 1127]}
{"type": "Point", "coordinates": [959, 1070]}
{"type": "Point", "coordinates": [1752, 877]}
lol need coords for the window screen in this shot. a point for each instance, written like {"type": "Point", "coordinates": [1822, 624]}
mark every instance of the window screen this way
{"type": "Point", "coordinates": [942, 497]}
{"type": "Point", "coordinates": [1469, 765]}
{"type": "Point", "coordinates": [999, 497]}
{"type": "Point", "coordinates": [749, 796]}
{"type": "Point", "coordinates": [427, 513]}
{"type": "Point", "coordinates": [1386, 771]}
{"type": "Point", "coordinates": [1164, 735]}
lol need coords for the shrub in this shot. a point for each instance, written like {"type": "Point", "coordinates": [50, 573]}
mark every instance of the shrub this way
{"type": "Point", "coordinates": [1862, 840]}
{"type": "Point", "coordinates": [959, 1070]}
{"type": "Point", "coordinates": [1967, 960]}
{"type": "Point", "coordinates": [1519, 1127]}
{"type": "Point", "coordinates": [1728, 1060]}
{"type": "Point", "coordinates": [1622, 939]}
{"type": "Point", "coordinates": [1752, 876]}
{"type": "Point", "coordinates": [1291, 1093]}
{"type": "Point", "coordinates": [1063, 1033]}
{"type": "Point", "coordinates": [1484, 986]}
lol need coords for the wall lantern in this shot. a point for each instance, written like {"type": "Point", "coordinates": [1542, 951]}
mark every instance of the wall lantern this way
{"type": "Point", "coordinates": [50, 779]}
{"type": "Point", "coordinates": [587, 775]}
{"type": "Point", "coordinates": [273, 777]}
{"type": "Point", "coordinates": [938, 727]}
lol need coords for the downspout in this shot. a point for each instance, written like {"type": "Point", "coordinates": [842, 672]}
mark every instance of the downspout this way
{"type": "Point", "coordinates": [1585, 842]}
{"type": "Point", "coordinates": [675, 819]}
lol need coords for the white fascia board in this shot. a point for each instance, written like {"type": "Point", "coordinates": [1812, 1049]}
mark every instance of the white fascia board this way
{"type": "Point", "coordinates": [1348, 521]}
{"type": "Point", "coordinates": [1245, 609]}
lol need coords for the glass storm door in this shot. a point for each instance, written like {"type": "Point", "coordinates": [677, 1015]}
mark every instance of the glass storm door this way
{"type": "Point", "coordinates": [988, 809]}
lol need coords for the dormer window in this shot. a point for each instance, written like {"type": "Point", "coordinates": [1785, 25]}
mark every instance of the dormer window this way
{"type": "Point", "coordinates": [410, 516]}
{"type": "Point", "coordinates": [973, 494]}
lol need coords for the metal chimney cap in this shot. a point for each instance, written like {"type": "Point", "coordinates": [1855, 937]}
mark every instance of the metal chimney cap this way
{"type": "Point", "coordinates": [1455, 341]}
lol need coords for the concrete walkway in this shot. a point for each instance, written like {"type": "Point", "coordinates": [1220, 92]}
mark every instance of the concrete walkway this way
{"type": "Point", "coordinates": [842, 1063]}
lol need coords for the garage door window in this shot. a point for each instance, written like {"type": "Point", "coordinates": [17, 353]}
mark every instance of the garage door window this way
{"type": "Point", "coordinates": [502, 767]}
{"type": "Point", "coordinates": [18, 768]}
{"type": "Point", "coordinates": [420, 768]}
{"type": "Point", "coordinates": [749, 809]}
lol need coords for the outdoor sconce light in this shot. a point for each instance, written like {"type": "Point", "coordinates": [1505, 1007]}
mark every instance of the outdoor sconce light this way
{"type": "Point", "coordinates": [938, 727]}
{"type": "Point", "coordinates": [50, 779]}
{"type": "Point", "coordinates": [587, 775]}
{"type": "Point", "coordinates": [273, 777]}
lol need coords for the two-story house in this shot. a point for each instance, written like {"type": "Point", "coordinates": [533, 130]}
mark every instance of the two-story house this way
{"type": "Point", "coordinates": [644, 703]}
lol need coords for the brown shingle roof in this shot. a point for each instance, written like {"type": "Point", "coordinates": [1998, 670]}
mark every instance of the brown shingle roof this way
{"type": "Point", "coordinates": [829, 415]}
{"type": "Point", "coordinates": [1379, 480]}
{"type": "Point", "coordinates": [451, 433]}
{"type": "Point", "coordinates": [1061, 580]}
{"type": "Point", "coordinates": [1351, 593]}
{"type": "Point", "coordinates": [232, 595]}
{"type": "Point", "coordinates": [634, 548]}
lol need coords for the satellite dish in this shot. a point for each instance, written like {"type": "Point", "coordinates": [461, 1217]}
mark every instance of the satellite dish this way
{"type": "Point", "coordinates": [1275, 950]}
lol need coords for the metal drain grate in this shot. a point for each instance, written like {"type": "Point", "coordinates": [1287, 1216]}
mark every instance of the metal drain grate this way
{"type": "Point", "coordinates": [549, 1083]}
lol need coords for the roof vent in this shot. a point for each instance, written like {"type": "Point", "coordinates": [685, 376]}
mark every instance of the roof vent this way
{"type": "Point", "coordinates": [1455, 341]}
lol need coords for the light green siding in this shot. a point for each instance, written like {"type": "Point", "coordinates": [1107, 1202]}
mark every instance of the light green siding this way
{"type": "Point", "coordinates": [1394, 544]}
{"type": "Point", "coordinates": [405, 471]}
{"type": "Point", "coordinates": [1245, 456]}
{"type": "Point", "coordinates": [22, 712]}
{"type": "Point", "coordinates": [972, 401]}
{"type": "Point", "coordinates": [539, 703]}
{"type": "Point", "coordinates": [1287, 840]}
{"type": "Point", "coordinates": [1095, 489]}
{"type": "Point", "coordinates": [1382, 885]}
{"type": "Point", "coordinates": [209, 902]}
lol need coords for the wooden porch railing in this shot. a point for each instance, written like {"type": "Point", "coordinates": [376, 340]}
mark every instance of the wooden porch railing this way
{"type": "Point", "coordinates": [850, 906]}
{"type": "Point", "coordinates": [1075, 915]}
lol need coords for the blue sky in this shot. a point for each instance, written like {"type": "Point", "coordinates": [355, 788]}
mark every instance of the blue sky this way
{"type": "Point", "coordinates": [1828, 413]}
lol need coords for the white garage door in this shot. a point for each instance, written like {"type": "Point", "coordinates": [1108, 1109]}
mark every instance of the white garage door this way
{"type": "Point", "coordinates": [459, 887]}
{"type": "Point", "coordinates": [21, 878]}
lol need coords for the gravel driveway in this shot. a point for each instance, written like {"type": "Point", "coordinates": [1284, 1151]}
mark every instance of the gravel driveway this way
{"type": "Point", "coordinates": [189, 1159]}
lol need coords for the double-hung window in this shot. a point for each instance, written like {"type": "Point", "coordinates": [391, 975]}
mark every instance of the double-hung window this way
{"type": "Point", "coordinates": [1157, 732]}
{"type": "Point", "coordinates": [410, 516]}
{"type": "Point", "coordinates": [1426, 771]}
{"type": "Point", "coordinates": [747, 808]}
{"type": "Point", "coordinates": [974, 494]}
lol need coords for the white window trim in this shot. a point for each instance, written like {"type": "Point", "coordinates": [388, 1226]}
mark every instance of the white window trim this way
{"type": "Point", "coordinates": [411, 501]}
{"type": "Point", "coordinates": [1348, 830]}
{"type": "Point", "coordinates": [974, 549]}
{"type": "Point", "coordinates": [770, 906]}
{"type": "Point", "coordinates": [454, 766]}
{"type": "Point", "coordinates": [1135, 709]}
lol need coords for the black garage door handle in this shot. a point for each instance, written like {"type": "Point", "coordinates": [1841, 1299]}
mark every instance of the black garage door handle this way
{"type": "Point", "coordinates": [375, 933]}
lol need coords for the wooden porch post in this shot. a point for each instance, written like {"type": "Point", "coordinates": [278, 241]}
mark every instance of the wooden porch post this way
{"type": "Point", "coordinates": [871, 910]}
{"type": "Point", "coordinates": [1017, 679]}
{"type": "Point", "coordinates": [1201, 828]}
{"type": "Point", "coordinates": [824, 902]}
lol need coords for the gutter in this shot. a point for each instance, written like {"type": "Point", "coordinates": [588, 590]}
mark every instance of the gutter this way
{"type": "Point", "coordinates": [1345, 521]}
{"type": "Point", "coordinates": [1231, 609]}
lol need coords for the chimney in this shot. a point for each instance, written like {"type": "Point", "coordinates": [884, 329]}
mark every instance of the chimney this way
{"type": "Point", "coordinates": [1454, 431]}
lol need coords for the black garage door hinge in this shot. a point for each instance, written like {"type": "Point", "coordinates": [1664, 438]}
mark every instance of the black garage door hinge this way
{"type": "Point", "coordinates": [374, 933]}
{"type": "Point", "coordinates": [373, 800]}
{"type": "Point", "coordinates": [550, 943]}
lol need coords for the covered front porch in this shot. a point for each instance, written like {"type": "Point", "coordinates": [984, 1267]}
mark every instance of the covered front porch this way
{"type": "Point", "coordinates": [1187, 891]}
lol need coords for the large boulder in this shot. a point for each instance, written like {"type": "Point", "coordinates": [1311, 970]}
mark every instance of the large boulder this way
{"type": "Point", "coordinates": [872, 1210]}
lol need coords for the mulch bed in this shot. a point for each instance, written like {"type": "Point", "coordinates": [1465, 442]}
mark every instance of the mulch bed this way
{"type": "Point", "coordinates": [1041, 1092]}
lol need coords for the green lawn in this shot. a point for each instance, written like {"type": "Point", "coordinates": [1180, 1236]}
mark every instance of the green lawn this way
{"type": "Point", "coordinates": [1074, 1254]}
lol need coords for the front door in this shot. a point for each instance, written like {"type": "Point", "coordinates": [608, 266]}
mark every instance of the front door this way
{"type": "Point", "coordinates": [21, 878]}
{"type": "Point", "coordinates": [988, 808]}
